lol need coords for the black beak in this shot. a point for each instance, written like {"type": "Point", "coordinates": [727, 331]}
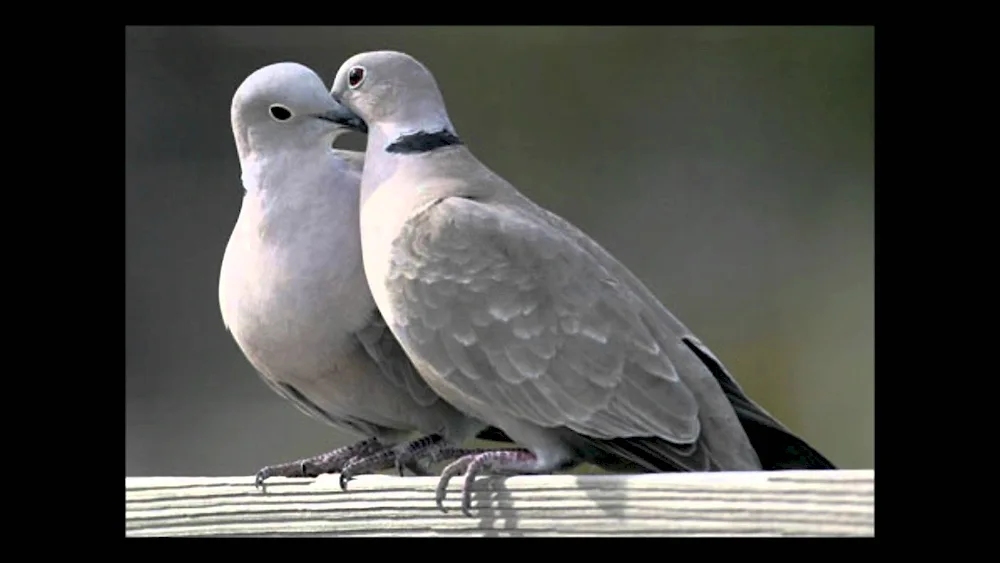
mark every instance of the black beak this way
{"type": "Point", "coordinates": [344, 117]}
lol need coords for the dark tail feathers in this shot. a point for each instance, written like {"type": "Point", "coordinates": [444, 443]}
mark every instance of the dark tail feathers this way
{"type": "Point", "coordinates": [776, 446]}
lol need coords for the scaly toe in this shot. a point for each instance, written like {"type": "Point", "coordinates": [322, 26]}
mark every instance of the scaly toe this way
{"type": "Point", "coordinates": [402, 461]}
{"type": "Point", "coordinates": [258, 480]}
{"type": "Point", "coordinates": [442, 491]}
{"type": "Point", "coordinates": [467, 504]}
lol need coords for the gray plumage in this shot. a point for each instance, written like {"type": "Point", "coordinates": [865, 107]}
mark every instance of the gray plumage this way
{"type": "Point", "coordinates": [517, 317]}
{"type": "Point", "coordinates": [292, 290]}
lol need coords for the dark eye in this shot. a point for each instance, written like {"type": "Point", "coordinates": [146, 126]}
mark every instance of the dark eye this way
{"type": "Point", "coordinates": [356, 76]}
{"type": "Point", "coordinates": [280, 112]}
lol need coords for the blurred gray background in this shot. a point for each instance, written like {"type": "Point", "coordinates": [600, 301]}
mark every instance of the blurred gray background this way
{"type": "Point", "coordinates": [730, 168]}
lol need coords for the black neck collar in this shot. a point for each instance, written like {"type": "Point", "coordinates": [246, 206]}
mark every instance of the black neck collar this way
{"type": "Point", "coordinates": [423, 142]}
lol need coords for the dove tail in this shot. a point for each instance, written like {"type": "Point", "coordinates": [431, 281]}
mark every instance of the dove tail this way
{"type": "Point", "coordinates": [777, 447]}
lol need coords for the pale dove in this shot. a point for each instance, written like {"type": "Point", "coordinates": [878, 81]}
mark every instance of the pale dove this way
{"type": "Point", "coordinates": [518, 318]}
{"type": "Point", "coordinates": [292, 288]}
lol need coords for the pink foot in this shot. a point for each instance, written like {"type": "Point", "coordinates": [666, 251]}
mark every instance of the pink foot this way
{"type": "Point", "coordinates": [505, 462]}
{"type": "Point", "coordinates": [329, 462]}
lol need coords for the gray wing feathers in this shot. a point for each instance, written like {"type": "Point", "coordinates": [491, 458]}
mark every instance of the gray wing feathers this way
{"type": "Point", "coordinates": [383, 348]}
{"type": "Point", "coordinates": [722, 431]}
{"type": "Point", "coordinates": [487, 289]}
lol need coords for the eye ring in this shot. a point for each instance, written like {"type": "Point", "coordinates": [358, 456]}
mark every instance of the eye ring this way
{"type": "Point", "coordinates": [279, 112]}
{"type": "Point", "coordinates": [355, 76]}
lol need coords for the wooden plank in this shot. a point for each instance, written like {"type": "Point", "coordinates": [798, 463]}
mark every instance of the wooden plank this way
{"type": "Point", "coordinates": [777, 503]}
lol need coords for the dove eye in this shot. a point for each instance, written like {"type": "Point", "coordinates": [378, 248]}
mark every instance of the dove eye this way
{"type": "Point", "coordinates": [356, 76]}
{"type": "Point", "coordinates": [280, 112]}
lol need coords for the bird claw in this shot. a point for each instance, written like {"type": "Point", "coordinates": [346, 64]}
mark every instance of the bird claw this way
{"type": "Point", "coordinates": [403, 459]}
{"type": "Point", "coordinates": [475, 464]}
{"type": "Point", "coordinates": [317, 465]}
{"type": "Point", "coordinates": [371, 462]}
{"type": "Point", "coordinates": [457, 467]}
{"type": "Point", "coordinates": [259, 478]}
{"type": "Point", "coordinates": [407, 460]}
{"type": "Point", "coordinates": [420, 454]}
{"type": "Point", "coordinates": [347, 473]}
{"type": "Point", "coordinates": [291, 469]}
{"type": "Point", "coordinates": [359, 465]}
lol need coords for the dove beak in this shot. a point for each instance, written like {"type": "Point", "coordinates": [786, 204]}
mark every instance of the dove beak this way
{"type": "Point", "coordinates": [345, 118]}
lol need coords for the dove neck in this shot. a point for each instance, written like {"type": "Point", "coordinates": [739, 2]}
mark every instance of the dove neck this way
{"type": "Point", "coordinates": [413, 136]}
{"type": "Point", "coordinates": [261, 149]}
{"type": "Point", "coordinates": [393, 148]}
{"type": "Point", "coordinates": [290, 185]}
{"type": "Point", "coordinates": [295, 202]}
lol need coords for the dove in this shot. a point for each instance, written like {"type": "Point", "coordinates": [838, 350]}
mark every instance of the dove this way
{"type": "Point", "coordinates": [293, 293]}
{"type": "Point", "coordinates": [520, 319]}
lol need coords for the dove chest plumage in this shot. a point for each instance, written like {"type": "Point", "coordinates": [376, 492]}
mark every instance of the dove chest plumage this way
{"type": "Point", "coordinates": [384, 214]}
{"type": "Point", "coordinates": [287, 304]}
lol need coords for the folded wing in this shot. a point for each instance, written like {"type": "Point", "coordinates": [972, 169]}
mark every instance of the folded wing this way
{"type": "Point", "coordinates": [522, 320]}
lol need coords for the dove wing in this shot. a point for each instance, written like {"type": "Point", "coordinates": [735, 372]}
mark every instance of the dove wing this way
{"type": "Point", "coordinates": [518, 317]}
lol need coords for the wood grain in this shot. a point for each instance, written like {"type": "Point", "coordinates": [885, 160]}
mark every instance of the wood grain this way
{"type": "Point", "coordinates": [782, 503]}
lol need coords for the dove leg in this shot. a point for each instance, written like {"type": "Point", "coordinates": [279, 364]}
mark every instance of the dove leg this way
{"type": "Point", "coordinates": [329, 462]}
{"type": "Point", "coordinates": [474, 462]}
{"type": "Point", "coordinates": [387, 458]}
{"type": "Point", "coordinates": [425, 451]}
{"type": "Point", "coordinates": [428, 450]}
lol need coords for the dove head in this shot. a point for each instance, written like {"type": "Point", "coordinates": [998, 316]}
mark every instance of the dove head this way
{"type": "Point", "coordinates": [286, 105]}
{"type": "Point", "coordinates": [393, 93]}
